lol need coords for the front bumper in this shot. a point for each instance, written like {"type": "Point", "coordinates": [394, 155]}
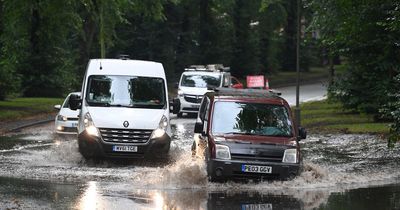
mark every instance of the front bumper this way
{"type": "Point", "coordinates": [188, 107]}
{"type": "Point", "coordinates": [66, 127]}
{"type": "Point", "coordinates": [222, 170]}
{"type": "Point", "coordinates": [96, 147]}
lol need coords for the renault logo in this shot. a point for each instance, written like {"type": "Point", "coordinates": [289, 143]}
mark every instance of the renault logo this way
{"type": "Point", "coordinates": [126, 124]}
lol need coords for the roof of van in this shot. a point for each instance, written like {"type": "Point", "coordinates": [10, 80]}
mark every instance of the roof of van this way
{"type": "Point", "coordinates": [125, 67]}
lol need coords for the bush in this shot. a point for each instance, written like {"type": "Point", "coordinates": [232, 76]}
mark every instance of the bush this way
{"type": "Point", "coordinates": [392, 110]}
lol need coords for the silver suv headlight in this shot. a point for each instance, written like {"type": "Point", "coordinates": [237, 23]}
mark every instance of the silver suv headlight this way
{"type": "Point", "coordinates": [61, 118]}
{"type": "Point", "coordinates": [290, 156]}
{"type": "Point", "coordinates": [180, 93]}
{"type": "Point", "coordinates": [161, 129]}
{"type": "Point", "coordinates": [89, 125]}
{"type": "Point", "coordinates": [222, 152]}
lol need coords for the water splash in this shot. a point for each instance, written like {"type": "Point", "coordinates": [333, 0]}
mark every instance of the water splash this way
{"type": "Point", "coordinates": [184, 173]}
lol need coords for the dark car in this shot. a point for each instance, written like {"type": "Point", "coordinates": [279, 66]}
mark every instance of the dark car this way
{"type": "Point", "coordinates": [247, 134]}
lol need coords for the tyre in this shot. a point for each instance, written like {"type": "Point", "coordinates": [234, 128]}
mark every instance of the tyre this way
{"type": "Point", "coordinates": [85, 152]}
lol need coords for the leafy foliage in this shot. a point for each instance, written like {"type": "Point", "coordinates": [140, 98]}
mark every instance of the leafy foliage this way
{"type": "Point", "coordinates": [45, 45]}
{"type": "Point", "coordinates": [392, 110]}
{"type": "Point", "coordinates": [365, 32]}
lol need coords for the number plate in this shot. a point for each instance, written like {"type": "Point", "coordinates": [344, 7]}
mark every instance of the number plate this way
{"type": "Point", "coordinates": [117, 148]}
{"type": "Point", "coordinates": [257, 169]}
{"type": "Point", "coordinates": [74, 124]}
{"type": "Point", "coordinates": [267, 206]}
{"type": "Point", "coordinates": [195, 106]}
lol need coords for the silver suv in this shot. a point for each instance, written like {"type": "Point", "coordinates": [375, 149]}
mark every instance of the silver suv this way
{"type": "Point", "coordinates": [195, 82]}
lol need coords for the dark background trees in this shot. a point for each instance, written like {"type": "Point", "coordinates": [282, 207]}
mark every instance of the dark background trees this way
{"type": "Point", "coordinates": [46, 44]}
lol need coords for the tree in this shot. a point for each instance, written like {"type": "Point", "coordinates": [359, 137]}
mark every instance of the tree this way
{"type": "Point", "coordinates": [245, 52]}
{"type": "Point", "coordinates": [13, 46]}
{"type": "Point", "coordinates": [365, 32]}
{"type": "Point", "coordinates": [273, 17]}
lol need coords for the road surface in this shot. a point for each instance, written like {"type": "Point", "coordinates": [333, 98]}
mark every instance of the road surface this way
{"type": "Point", "coordinates": [40, 170]}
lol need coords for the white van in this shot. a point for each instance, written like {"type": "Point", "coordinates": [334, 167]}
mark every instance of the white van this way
{"type": "Point", "coordinates": [124, 110]}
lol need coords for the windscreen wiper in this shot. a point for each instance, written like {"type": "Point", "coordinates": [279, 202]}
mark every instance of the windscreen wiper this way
{"type": "Point", "coordinates": [121, 105]}
{"type": "Point", "coordinates": [240, 133]}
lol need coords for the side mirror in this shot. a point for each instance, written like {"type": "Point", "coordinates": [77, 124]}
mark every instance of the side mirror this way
{"type": "Point", "coordinates": [75, 102]}
{"type": "Point", "coordinates": [302, 133]}
{"type": "Point", "coordinates": [226, 80]}
{"type": "Point", "coordinates": [57, 107]}
{"type": "Point", "coordinates": [176, 106]}
{"type": "Point", "coordinates": [198, 127]}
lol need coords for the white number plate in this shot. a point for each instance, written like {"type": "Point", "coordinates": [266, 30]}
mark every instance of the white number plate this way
{"type": "Point", "coordinates": [257, 169]}
{"type": "Point", "coordinates": [267, 206]}
{"type": "Point", "coordinates": [195, 106]}
{"type": "Point", "coordinates": [74, 124]}
{"type": "Point", "coordinates": [117, 148]}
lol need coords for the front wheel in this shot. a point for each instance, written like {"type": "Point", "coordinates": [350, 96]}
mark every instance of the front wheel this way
{"type": "Point", "coordinates": [85, 151]}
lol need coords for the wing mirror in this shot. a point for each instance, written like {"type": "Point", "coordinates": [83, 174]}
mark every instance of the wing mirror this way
{"type": "Point", "coordinates": [176, 106]}
{"type": "Point", "coordinates": [57, 107]}
{"type": "Point", "coordinates": [302, 133]}
{"type": "Point", "coordinates": [75, 102]}
{"type": "Point", "coordinates": [198, 127]}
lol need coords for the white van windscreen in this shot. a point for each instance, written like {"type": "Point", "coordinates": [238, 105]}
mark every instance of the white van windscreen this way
{"type": "Point", "coordinates": [126, 91]}
{"type": "Point", "coordinates": [201, 80]}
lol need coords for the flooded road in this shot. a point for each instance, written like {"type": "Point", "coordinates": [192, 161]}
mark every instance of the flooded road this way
{"type": "Point", "coordinates": [41, 170]}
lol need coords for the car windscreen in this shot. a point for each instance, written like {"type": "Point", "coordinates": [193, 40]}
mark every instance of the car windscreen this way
{"type": "Point", "coordinates": [200, 80]}
{"type": "Point", "coordinates": [126, 91]}
{"type": "Point", "coordinates": [251, 119]}
{"type": "Point", "coordinates": [66, 103]}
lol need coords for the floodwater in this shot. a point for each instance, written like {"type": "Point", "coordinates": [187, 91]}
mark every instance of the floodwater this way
{"type": "Point", "coordinates": [43, 171]}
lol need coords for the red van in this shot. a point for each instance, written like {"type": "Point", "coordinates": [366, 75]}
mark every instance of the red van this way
{"type": "Point", "coordinates": [247, 134]}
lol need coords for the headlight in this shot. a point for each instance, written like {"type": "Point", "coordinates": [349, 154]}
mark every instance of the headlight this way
{"type": "Point", "coordinates": [161, 129]}
{"type": "Point", "coordinates": [180, 93]}
{"type": "Point", "coordinates": [61, 118]}
{"type": "Point", "coordinates": [290, 156]}
{"type": "Point", "coordinates": [222, 152]}
{"type": "Point", "coordinates": [89, 125]}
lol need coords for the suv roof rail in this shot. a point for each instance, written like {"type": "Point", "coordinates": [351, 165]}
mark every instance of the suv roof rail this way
{"type": "Point", "coordinates": [123, 57]}
{"type": "Point", "coordinates": [208, 67]}
{"type": "Point", "coordinates": [196, 68]}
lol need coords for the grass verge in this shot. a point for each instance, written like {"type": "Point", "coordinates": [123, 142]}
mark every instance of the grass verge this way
{"type": "Point", "coordinates": [330, 117]}
{"type": "Point", "coordinates": [284, 78]}
{"type": "Point", "coordinates": [26, 107]}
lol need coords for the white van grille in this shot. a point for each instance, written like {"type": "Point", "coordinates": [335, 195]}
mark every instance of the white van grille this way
{"type": "Point", "coordinates": [125, 135]}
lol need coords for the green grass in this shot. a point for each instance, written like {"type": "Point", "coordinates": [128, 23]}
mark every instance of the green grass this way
{"type": "Point", "coordinates": [289, 78]}
{"type": "Point", "coordinates": [329, 117]}
{"type": "Point", "coordinates": [26, 107]}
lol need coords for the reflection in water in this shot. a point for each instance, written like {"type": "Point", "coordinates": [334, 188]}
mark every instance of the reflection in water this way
{"type": "Point", "coordinates": [202, 199]}
{"type": "Point", "coordinates": [158, 200]}
{"type": "Point", "coordinates": [90, 199]}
